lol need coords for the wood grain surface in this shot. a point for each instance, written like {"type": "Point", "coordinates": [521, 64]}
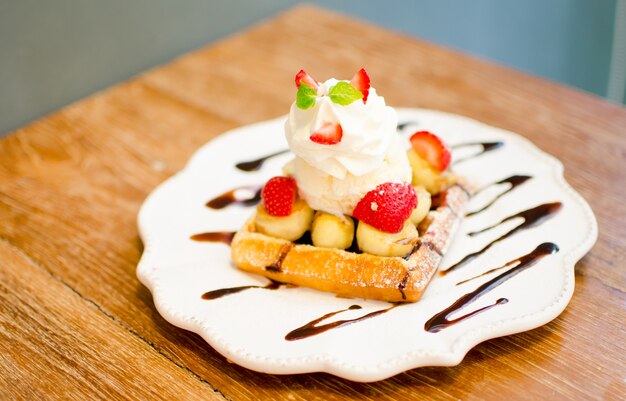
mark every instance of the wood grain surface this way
{"type": "Point", "coordinates": [76, 323]}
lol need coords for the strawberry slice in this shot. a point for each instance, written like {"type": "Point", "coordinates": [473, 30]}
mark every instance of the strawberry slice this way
{"type": "Point", "coordinates": [279, 195]}
{"type": "Point", "coordinates": [328, 134]}
{"type": "Point", "coordinates": [303, 77]}
{"type": "Point", "coordinates": [361, 81]}
{"type": "Point", "coordinates": [387, 206]}
{"type": "Point", "coordinates": [431, 148]}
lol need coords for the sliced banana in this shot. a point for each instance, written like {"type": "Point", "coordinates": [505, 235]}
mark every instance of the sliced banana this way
{"type": "Point", "coordinates": [423, 174]}
{"type": "Point", "coordinates": [423, 205]}
{"type": "Point", "coordinates": [330, 231]}
{"type": "Point", "coordinates": [289, 227]}
{"type": "Point", "coordinates": [376, 242]}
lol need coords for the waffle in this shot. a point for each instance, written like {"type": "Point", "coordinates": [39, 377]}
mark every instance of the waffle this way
{"type": "Point", "coordinates": [353, 274]}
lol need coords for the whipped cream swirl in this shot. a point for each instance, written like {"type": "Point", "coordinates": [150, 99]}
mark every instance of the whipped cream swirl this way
{"type": "Point", "coordinates": [368, 132]}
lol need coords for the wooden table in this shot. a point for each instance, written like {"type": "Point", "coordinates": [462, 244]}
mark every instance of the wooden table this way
{"type": "Point", "coordinates": [75, 321]}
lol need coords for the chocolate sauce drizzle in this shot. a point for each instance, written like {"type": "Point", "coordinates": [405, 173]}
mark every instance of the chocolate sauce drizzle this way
{"type": "Point", "coordinates": [532, 217]}
{"type": "Point", "coordinates": [405, 124]}
{"type": "Point", "coordinates": [312, 328]}
{"type": "Point", "coordinates": [514, 181]}
{"type": "Point", "coordinates": [440, 320]}
{"type": "Point", "coordinates": [486, 147]}
{"type": "Point", "coordinates": [440, 199]}
{"type": "Point", "coordinates": [507, 264]}
{"type": "Point", "coordinates": [222, 292]}
{"type": "Point", "coordinates": [435, 326]}
{"type": "Point", "coordinates": [225, 237]}
{"type": "Point", "coordinates": [254, 165]}
{"type": "Point", "coordinates": [276, 267]}
{"type": "Point", "coordinates": [230, 197]}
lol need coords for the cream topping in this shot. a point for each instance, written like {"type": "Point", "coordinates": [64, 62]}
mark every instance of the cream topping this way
{"type": "Point", "coordinates": [368, 132]}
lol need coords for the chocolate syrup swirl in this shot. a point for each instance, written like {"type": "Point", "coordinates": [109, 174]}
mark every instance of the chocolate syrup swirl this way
{"type": "Point", "coordinates": [486, 147]}
{"type": "Point", "coordinates": [225, 237]}
{"type": "Point", "coordinates": [312, 328]}
{"type": "Point", "coordinates": [514, 181]}
{"type": "Point", "coordinates": [233, 197]}
{"type": "Point", "coordinates": [440, 321]}
{"type": "Point", "coordinates": [254, 165]}
{"type": "Point", "coordinates": [532, 217]}
{"type": "Point", "coordinates": [222, 292]}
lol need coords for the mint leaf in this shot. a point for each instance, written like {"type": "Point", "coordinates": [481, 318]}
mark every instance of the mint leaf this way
{"type": "Point", "coordinates": [306, 96]}
{"type": "Point", "coordinates": [343, 93]}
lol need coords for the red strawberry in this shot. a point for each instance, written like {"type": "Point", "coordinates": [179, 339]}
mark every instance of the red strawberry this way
{"type": "Point", "coordinates": [279, 195]}
{"type": "Point", "coordinates": [432, 149]}
{"type": "Point", "coordinates": [387, 207]}
{"type": "Point", "coordinates": [328, 134]}
{"type": "Point", "coordinates": [303, 77]}
{"type": "Point", "coordinates": [361, 81]}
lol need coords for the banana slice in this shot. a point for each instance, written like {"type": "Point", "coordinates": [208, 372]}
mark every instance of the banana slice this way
{"type": "Point", "coordinates": [330, 231]}
{"type": "Point", "coordinates": [289, 227]}
{"type": "Point", "coordinates": [423, 205]}
{"type": "Point", "coordinates": [423, 174]}
{"type": "Point", "coordinates": [376, 242]}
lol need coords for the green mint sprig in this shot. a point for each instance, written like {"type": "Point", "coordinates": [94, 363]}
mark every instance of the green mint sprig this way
{"type": "Point", "coordinates": [305, 97]}
{"type": "Point", "coordinates": [343, 93]}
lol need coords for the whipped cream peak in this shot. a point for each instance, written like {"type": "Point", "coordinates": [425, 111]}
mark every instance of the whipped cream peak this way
{"type": "Point", "coordinates": [368, 130]}
{"type": "Point", "coordinates": [324, 87]}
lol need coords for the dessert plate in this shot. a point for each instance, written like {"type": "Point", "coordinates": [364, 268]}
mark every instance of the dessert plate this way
{"type": "Point", "coordinates": [510, 267]}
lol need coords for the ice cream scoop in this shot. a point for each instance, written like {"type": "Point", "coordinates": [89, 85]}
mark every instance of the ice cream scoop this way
{"type": "Point", "coordinates": [339, 196]}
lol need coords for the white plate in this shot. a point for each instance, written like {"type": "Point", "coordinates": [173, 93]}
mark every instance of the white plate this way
{"type": "Point", "coordinates": [249, 327]}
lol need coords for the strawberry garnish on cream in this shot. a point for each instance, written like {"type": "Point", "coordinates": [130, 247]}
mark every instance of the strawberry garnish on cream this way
{"type": "Point", "coordinates": [328, 134]}
{"type": "Point", "coordinates": [361, 81]}
{"type": "Point", "coordinates": [302, 77]}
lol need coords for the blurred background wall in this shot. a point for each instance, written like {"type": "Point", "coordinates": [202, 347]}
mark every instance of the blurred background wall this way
{"type": "Point", "coordinates": [55, 52]}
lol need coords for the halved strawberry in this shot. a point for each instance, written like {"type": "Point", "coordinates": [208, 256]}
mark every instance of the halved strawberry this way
{"type": "Point", "coordinates": [361, 81]}
{"type": "Point", "coordinates": [328, 134]}
{"type": "Point", "coordinates": [303, 77]}
{"type": "Point", "coordinates": [279, 195]}
{"type": "Point", "coordinates": [432, 149]}
{"type": "Point", "coordinates": [387, 206]}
